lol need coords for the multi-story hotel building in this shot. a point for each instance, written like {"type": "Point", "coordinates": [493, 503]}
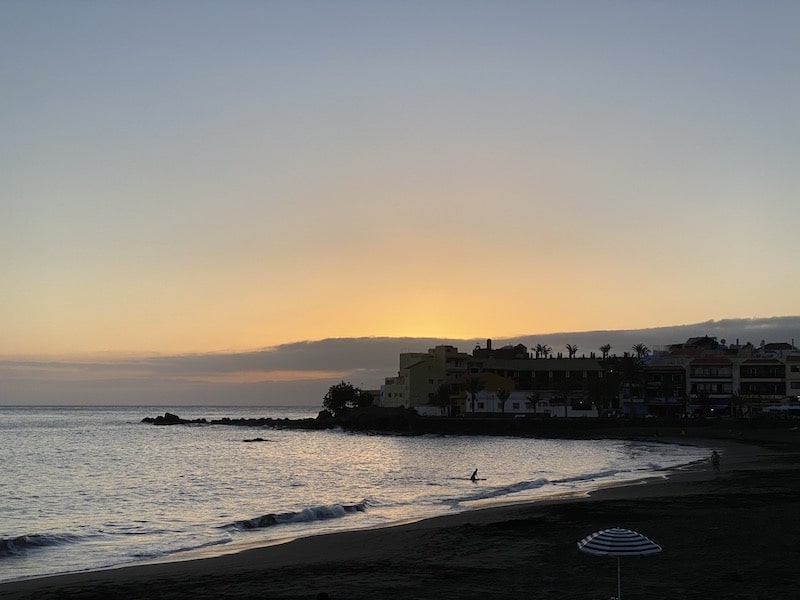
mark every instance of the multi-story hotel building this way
{"type": "Point", "coordinates": [699, 377]}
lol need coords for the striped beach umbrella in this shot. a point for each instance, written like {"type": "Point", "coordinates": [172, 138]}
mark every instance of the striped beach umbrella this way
{"type": "Point", "coordinates": [618, 542]}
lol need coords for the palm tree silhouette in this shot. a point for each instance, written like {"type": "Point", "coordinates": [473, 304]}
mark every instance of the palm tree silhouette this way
{"type": "Point", "coordinates": [633, 374]}
{"type": "Point", "coordinates": [474, 386]}
{"type": "Point", "coordinates": [502, 395]}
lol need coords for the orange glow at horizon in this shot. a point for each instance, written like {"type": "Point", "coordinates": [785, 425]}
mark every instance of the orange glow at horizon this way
{"type": "Point", "coordinates": [258, 376]}
{"type": "Point", "coordinates": [477, 197]}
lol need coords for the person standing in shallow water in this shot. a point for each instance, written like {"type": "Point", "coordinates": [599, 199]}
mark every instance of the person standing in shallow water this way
{"type": "Point", "coordinates": [715, 462]}
{"type": "Point", "coordinates": [474, 476]}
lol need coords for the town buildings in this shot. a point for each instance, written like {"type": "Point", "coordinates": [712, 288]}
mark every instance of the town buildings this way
{"type": "Point", "coordinates": [700, 377]}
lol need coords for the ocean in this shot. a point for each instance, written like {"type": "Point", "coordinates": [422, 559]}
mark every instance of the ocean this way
{"type": "Point", "coordinates": [92, 487]}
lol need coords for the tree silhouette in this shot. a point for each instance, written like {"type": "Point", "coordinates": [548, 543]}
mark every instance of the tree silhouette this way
{"type": "Point", "coordinates": [632, 373]}
{"type": "Point", "coordinates": [502, 396]}
{"type": "Point", "coordinates": [704, 399]}
{"type": "Point", "coordinates": [343, 396]}
{"type": "Point", "coordinates": [565, 388]}
{"type": "Point", "coordinates": [603, 390]}
{"type": "Point", "coordinates": [572, 350]}
{"type": "Point", "coordinates": [441, 397]}
{"type": "Point", "coordinates": [474, 387]}
{"type": "Point", "coordinates": [605, 349]}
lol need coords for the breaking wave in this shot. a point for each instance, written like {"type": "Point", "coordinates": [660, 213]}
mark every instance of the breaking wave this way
{"type": "Point", "coordinates": [499, 492]}
{"type": "Point", "coordinates": [307, 515]}
{"type": "Point", "coordinates": [19, 545]}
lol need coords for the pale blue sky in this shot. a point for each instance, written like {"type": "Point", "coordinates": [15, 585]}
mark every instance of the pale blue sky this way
{"type": "Point", "coordinates": [204, 176]}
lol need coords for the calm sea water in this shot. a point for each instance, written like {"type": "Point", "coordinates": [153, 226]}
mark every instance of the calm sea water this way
{"type": "Point", "coordinates": [92, 487]}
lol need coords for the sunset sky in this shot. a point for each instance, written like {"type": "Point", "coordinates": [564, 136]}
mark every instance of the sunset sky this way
{"type": "Point", "coordinates": [198, 176]}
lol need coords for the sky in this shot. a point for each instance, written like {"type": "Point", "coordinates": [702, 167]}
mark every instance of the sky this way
{"type": "Point", "coordinates": [193, 177]}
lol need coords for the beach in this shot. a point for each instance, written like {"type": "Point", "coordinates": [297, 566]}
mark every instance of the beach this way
{"type": "Point", "coordinates": [727, 536]}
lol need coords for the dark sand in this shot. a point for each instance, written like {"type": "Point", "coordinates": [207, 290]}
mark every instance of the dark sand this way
{"type": "Point", "coordinates": [736, 536]}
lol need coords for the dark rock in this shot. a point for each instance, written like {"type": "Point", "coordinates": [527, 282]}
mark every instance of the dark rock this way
{"type": "Point", "coordinates": [171, 419]}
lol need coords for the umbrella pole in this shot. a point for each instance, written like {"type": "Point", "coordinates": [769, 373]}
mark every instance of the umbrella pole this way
{"type": "Point", "coordinates": [619, 588]}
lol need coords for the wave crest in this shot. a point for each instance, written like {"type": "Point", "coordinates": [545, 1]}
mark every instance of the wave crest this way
{"type": "Point", "coordinates": [18, 545]}
{"type": "Point", "coordinates": [306, 515]}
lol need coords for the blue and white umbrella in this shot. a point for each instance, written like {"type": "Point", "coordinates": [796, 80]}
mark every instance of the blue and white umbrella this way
{"type": "Point", "coordinates": [618, 542]}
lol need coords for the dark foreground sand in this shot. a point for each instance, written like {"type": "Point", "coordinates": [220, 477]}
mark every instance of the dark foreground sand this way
{"type": "Point", "coordinates": [736, 536]}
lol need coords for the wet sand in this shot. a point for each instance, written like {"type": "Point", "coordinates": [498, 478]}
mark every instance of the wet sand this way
{"type": "Point", "coordinates": [731, 536]}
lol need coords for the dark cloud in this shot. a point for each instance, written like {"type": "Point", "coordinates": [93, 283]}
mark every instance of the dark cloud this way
{"type": "Point", "coordinates": [315, 365]}
{"type": "Point", "coordinates": [334, 354]}
{"type": "Point", "coordinates": [775, 329]}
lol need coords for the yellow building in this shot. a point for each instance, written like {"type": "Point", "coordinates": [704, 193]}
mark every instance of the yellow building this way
{"type": "Point", "coordinates": [422, 374]}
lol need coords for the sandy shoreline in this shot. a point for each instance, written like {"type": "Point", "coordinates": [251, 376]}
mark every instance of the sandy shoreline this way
{"type": "Point", "coordinates": [732, 536]}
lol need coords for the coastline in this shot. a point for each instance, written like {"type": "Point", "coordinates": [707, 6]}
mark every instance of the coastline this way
{"type": "Point", "coordinates": [731, 536]}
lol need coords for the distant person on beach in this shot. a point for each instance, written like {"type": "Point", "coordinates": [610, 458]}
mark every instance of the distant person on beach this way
{"type": "Point", "coordinates": [715, 462]}
{"type": "Point", "coordinates": [474, 476]}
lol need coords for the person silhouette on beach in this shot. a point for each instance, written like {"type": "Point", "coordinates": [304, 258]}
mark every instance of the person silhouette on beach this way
{"type": "Point", "coordinates": [474, 476]}
{"type": "Point", "coordinates": [715, 462]}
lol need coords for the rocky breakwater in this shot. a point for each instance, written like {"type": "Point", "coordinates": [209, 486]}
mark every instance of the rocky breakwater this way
{"type": "Point", "coordinates": [173, 419]}
{"type": "Point", "coordinates": [355, 419]}
{"type": "Point", "coordinates": [406, 421]}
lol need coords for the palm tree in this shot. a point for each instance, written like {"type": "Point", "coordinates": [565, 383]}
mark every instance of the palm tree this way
{"type": "Point", "coordinates": [474, 386]}
{"type": "Point", "coordinates": [539, 349]}
{"type": "Point", "coordinates": [502, 396]}
{"type": "Point", "coordinates": [565, 388]}
{"type": "Point", "coordinates": [632, 374]}
{"type": "Point", "coordinates": [572, 350]}
{"type": "Point", "coordinates": [546, 350]}
{"type": "Point", "coordinates": [641, 350]}
{"type": "Point", "coordinates": [605, 349]}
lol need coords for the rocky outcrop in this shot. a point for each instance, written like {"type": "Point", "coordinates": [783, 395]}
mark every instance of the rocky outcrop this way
{"type": "Point", "coordinates": [171, 419]}
{"type": "Point", "coordinates": [356, 419]}
{"type": "Point", "coordinates": [321, 422]}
